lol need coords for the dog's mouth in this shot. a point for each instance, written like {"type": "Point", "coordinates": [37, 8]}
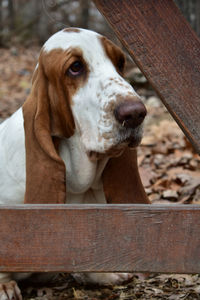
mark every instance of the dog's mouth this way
{"type": "Point", "coordinates": [130, 137]}
{"type": "Point", "coordinates": [126, 138]}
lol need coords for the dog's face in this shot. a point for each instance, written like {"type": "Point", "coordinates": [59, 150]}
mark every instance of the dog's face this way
{"type": "Point", "coordinates": [107, 112]}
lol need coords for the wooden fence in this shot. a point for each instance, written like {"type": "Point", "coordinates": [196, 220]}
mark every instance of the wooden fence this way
{"type": "Point", "coordinates": [77, 238]}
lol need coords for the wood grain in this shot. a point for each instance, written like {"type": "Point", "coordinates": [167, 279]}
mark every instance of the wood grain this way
{"type": "Point", "coordinates": [76, 238]}
{"type": "Point", "coordinates": [166, 50]}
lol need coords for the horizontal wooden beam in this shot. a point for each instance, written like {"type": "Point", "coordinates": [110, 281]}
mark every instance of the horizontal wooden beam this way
{"type": "Point", "coordinates": [167, 51]}
{"type": "Point", "coordinates": [82, 238]}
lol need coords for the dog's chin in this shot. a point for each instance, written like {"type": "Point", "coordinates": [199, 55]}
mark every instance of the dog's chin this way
{"type": "Point", "coordinates": [134, 142]}
{"type": "Point", "coordinates": [122, 142]}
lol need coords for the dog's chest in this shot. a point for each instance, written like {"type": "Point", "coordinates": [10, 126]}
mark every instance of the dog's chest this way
{"type": "Point", "coordinates": [83, 176]}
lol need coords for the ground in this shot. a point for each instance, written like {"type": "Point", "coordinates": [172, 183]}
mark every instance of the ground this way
{"type": "Point", "coordinates": [170, 172]}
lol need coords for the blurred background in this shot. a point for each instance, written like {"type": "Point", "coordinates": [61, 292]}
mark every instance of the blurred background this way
{"type": "Point", "coordinates": [31, 21]}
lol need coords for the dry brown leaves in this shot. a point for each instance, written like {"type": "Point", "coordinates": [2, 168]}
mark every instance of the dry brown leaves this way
{"type": "Point", "coordinates": [169, 167]}
{"type": "Point", "coordinates": [16, 68]}
{"type": "Point", "coordinates": [171, 287]}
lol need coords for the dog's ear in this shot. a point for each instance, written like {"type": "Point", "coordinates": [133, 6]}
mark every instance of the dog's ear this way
{"type": "Point", "coordinates": [47, 117]}
{"type": "Point", "coordinates": [121, 180]}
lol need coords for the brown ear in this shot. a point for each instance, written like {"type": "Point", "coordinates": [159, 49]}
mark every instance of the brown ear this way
{"type": "Point", "coordinates": [121, 180]}
{"type": "Point", "coordinates": [45, 170]}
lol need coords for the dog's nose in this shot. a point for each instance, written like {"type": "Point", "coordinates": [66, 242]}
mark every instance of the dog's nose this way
{"type": "Point", "coordinates": [130, 114]}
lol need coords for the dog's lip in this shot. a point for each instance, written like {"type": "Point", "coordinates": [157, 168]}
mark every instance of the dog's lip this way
{"type": "Point", "coordinates": [114, 151]}
{"type": "Point", "coordinates": [133, 140]}
{"type": "Point", "coordinates": [94, 155]}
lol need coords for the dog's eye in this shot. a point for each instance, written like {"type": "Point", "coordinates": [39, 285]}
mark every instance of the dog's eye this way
{"type": "Point", "coordinates": [76, 68]}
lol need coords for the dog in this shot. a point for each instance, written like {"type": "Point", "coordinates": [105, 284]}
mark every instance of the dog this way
{"type": "Point", "coordinates": [74, 136]}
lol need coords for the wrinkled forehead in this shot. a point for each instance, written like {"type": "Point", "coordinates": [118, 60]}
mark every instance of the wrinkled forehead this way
{"type": "Point", "coordinates": [71, 38]}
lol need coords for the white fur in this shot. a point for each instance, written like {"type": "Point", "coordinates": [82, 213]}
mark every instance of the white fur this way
{"type": "Point", "coordinates": [12, 162]}
{"type": "Point", "coordinates": [96, 130]}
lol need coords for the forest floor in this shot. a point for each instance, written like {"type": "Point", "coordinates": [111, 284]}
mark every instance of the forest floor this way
{"type": "Point", "coordinates": [170, 172]}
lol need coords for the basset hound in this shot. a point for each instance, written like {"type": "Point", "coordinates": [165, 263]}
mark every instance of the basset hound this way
{"type": "Point", "coordinates": [74, 139]}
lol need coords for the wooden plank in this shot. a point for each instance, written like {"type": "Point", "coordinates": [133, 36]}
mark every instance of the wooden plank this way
{"type": "Point", "coordinates": [78, 238]}
{"type": "Point", "coordinates": [167, 51]}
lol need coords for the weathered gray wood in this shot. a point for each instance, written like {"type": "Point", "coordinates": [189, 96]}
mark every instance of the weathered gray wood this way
{"type": "Point", "coordinates": [100, 238]}
{"type": "Point", "coordinates": [167, 51]}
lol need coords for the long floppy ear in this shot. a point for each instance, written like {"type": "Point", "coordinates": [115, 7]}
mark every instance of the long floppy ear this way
{"type": "Point", "coordinates": [121, 180]}
{"type": "Point", "coordinates": [45, 170]}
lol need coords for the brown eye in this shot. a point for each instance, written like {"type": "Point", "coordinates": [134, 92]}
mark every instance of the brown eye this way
{"type": "Point", "coordinates": [76, 69]}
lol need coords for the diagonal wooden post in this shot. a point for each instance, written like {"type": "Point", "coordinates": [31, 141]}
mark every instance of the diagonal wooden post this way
{"type": "Point", "coordinates": [166, 50]}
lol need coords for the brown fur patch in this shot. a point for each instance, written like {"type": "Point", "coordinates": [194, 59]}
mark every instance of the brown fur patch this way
{"type": "Point", "coordinates": [45, 170]}
{"type": "Point", "coordinates": [47, 114]}
{"type": "Point", "coordinates": [57, 62]}
{"type": "Point", "coordinates": [115, 54]}
{"type": "Point", "coordinates": [121, 180]}
{"type": "Point", "coordinates": [62, 86]}
{"type": "Point", "coordinates": [71, 29]}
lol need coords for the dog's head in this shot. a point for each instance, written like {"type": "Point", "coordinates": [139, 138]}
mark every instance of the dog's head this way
{"type": "Point", "coordinates": [78, 86]}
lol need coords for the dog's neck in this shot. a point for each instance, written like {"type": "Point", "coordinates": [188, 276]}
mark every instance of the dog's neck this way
{"type": "Point", "coordinates": [84, 184]}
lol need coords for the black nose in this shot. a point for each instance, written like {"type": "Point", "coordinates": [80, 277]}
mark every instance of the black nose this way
{"type": "Point", "coordinates": [130, 114]}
